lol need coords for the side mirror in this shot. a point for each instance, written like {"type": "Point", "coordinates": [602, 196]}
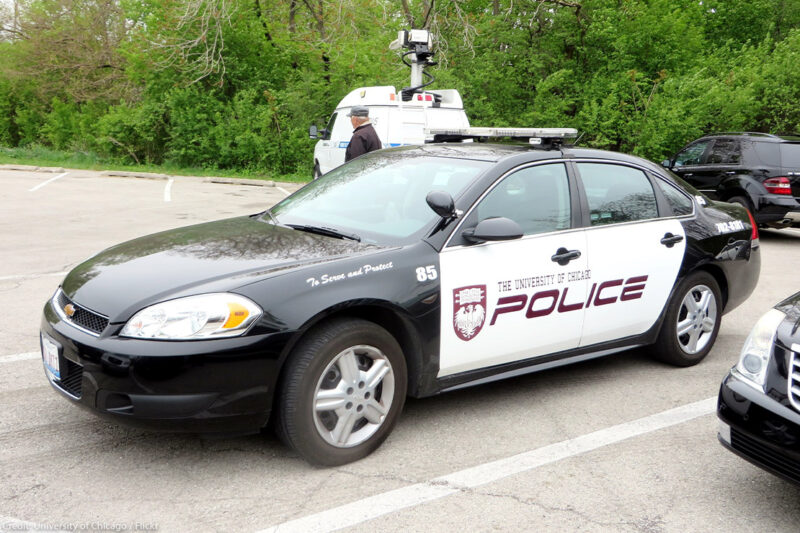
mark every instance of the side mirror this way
{"type": "Point", "coordinates": [312, 132]}
{"type": "Point", "coordinates": [493, 229]}
{"type": "Point", "coordinates": [442, 204]}
{"type": "Point", "coordinates": [665, 163]}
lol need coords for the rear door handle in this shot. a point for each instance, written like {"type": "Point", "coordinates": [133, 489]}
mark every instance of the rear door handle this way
{"type": "Point", "coordinates": [730, 172]}
{"type": "Point", "coordinates": [564, 256]}
{"type": "Point", "coordinates": [670, 240]}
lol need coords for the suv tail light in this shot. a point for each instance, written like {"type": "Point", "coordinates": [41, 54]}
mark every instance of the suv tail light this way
{"type": "Point", "coordinates": [778, 186]}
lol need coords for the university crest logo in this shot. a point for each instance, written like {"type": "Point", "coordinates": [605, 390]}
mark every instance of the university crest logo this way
{"type": "Point", "coordinates": [469, 311]}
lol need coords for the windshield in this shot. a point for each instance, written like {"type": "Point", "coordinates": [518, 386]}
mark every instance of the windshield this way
{"type": "Point", "coordinates": [379, 198]}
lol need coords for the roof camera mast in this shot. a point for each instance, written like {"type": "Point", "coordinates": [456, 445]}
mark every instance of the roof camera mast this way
{"type": "Point", "coordinates": [420, 49]}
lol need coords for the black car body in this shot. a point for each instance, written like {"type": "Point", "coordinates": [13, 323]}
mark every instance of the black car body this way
{"type": "Point", "coordinates": [757, 170]}
{"type": "Point", "coordinates": [759, 400]}
{"type": "Point", "coordinates": [534, 258]}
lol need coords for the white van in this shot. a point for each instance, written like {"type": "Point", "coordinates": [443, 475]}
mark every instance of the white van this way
{"type": "Point", "coordinates": [396, 122]}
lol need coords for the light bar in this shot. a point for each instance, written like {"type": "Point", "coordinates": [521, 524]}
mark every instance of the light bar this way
{"type": "Point", "coordinates": [525, 133]}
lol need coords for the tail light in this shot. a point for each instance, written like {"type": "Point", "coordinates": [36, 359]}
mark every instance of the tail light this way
{"type": "Point", "coordinates": [778, 186]}
{"type": "Point", "coordinates": [754, 233]}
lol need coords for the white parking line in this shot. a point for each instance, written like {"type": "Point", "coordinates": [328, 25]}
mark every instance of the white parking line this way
{"type": "Point", "coordinates": [25, 276]}
{"type": "Point", "coordinates": [284, 191]}
{"type": "Point", "coordinates": [355, 513]}
{"type": "Point", "coordinates": [168, 190]}
{"type": "Point", "coordinates": [19, 357]}
{"type": "Point", "coordinates": [48, 181]}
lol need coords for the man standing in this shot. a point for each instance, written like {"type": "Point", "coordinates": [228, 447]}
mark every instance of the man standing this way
{"type": "Point", "coordinates": [364, 137]}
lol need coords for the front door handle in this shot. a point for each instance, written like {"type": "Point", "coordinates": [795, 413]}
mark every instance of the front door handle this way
{"type": "Point", "coordinates": [687, 174]}
{"type": "Point", "coordinates": [564, 256]}
{"type": "Point", "coordinates": [669, 239]}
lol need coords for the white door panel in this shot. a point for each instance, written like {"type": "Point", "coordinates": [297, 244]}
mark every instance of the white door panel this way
{"type": "Point", "coordinates": [632, 276]}
{"type": "Point", "coordinates": [508, 301]}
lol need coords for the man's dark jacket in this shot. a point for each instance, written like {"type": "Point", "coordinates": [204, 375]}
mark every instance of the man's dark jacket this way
{"type": "Point", "coordinates": [364, 140]}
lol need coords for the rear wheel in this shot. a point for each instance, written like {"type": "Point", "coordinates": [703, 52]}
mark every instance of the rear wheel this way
{"type": "Point", "coordinates": [343, 390]}
{"type": "Point", "coordinates": [742, 201]}
{"type": "Point", "coordinates": [692, 321]}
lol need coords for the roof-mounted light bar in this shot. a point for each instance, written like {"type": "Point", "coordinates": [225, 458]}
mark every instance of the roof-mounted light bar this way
{"type": "Point", "coordinates": [543, 137]}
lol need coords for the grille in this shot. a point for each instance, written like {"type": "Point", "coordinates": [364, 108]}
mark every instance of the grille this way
{"type": "Point", "coordinates": [770, 458]}
{"type": "Point", "coordinates": [71, 377]}
{"type": "Point", "coordinates": [83, 318]}
{"type": "Point", "coordinates": [793, 387]}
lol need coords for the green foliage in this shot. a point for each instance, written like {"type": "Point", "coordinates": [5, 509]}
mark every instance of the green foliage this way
{"type": "Point", "coordinates": [642, 76]}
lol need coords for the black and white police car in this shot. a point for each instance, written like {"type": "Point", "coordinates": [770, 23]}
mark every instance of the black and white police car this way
{"type": "Point", "coordinates": [408, 271]}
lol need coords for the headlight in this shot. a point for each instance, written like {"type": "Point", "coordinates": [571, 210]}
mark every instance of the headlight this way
{"type": "Point", "coordinates": [194, 317]}
{"type": "Point", "coordinates": [754, 359]}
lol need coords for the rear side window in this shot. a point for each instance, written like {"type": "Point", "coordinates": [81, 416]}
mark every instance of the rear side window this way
{"type": "Point", "coordinates": [790, 155]}
{"type": "Point", "coordinates": [680, 203]}
{"type": "Point", "coordinates": [768, 153]}
{"type": "Point", "coordinates": [725, 152]}
{"type": "Point", "coordinates": [617, 193]}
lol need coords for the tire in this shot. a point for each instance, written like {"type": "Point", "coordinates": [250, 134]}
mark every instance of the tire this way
{"type": "Point", "coordinates": [330, 368]}
{"type": "Point", "coordinates": [691, 322]}
{"type": "Point", "coordinates": [317, 172]}
{"type": "Point", "coordinates": [742, 201]}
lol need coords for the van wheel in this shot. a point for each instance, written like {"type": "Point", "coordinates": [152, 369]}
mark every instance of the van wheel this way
{"type": "Point", "coordinates": [691, 322]}
{"type": "Point", "coordinates": [342, 392]}
{"type": "Point", "coordinates": [317, 173]}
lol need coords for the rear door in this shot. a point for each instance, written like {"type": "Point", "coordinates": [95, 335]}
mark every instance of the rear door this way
{"type": "Point", "coordinates": [512, 300]}
{"type": "Point", "coordinates": [634, 255]}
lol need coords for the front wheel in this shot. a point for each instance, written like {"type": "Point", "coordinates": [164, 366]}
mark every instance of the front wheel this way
{"type": "Point", "coordinates": [342, 392]}
{"type": "Point", "coordinates": [317, 173]}
{"type": "Point", "coordinates": [691, 322]}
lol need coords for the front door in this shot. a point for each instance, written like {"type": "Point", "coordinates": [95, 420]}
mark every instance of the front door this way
{"type": "Point", "coordinates": [512, 300]}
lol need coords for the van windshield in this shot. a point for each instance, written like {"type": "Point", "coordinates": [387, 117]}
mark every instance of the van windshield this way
{"type": "Point", "coordinates": [377, 198]}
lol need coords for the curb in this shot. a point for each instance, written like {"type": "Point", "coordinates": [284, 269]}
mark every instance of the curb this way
{"type": "Point", "coordinates": [241, 181]}
{"type": "Point", "coordinates": [30, 168]}
{"type": "Point", "coordinates": [127, 174]}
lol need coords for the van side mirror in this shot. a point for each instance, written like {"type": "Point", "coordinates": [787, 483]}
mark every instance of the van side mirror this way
{"type": "Point", "coordinates": [493, 229]}
{"type": "Point", "coordinates": [442, 204]}
{"type": "Point", "coordinates": [312, 132]}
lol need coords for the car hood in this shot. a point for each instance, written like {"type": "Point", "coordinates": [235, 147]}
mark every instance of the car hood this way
{"type": "Point", "coordinates": [210, 257]}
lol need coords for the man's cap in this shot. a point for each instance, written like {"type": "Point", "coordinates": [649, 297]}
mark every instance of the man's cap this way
{"type": "Point", "coordinates": [359, 111]}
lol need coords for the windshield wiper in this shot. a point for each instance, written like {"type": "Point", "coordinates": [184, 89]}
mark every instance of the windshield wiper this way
{"type": "Point", "coordinates": [329, 232]}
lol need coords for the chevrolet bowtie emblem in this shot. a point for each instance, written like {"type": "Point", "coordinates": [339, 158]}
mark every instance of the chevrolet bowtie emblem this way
{"type": "Point", "coordinates": [69, 309]}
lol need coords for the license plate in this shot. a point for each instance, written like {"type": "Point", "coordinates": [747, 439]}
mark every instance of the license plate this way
{"type": "Point", "coordinates": [50, 358]}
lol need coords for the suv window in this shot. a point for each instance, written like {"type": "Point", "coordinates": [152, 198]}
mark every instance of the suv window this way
{"type": "Point", "coordinates": [536, 198]}
{"type": "Point", "coordinates": [617, 193]}
{"type": "Point", "coordinates": [790, 155]}
{"type": "Point", "coordinates": [692, 155]}
{"type": "Point", "coordinates": [725, 152]}
{"type": "Point", "coordinates": [768, 153]}
{"type": "Point", "coordinates": [680, 203]}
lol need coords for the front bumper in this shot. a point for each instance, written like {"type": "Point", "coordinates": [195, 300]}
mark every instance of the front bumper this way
{"type": "Point", "coordinates": [759, 428]}
{"type": "Point", "coordinates": [220, 385]}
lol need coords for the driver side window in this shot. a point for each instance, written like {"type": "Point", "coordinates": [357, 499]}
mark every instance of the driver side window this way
{"type": "Point", "coordinates": [537, 198]}
{"type": "Point", "coordinates": [692, 155]}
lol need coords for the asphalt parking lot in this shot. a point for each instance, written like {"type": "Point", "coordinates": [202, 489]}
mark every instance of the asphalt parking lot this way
{"type": "Point", "coordinates": [622, 443]}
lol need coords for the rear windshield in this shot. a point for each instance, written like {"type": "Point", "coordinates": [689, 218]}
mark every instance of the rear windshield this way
{"type": "Point", "coordinates": [790, 155]}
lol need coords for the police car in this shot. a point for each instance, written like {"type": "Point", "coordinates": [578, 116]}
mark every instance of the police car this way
{"type": "Point", "coordinates": [410, 271]}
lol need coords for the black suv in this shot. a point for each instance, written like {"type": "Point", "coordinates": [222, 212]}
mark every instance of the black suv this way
{"type": "Point", "coordinates": [757, 170]}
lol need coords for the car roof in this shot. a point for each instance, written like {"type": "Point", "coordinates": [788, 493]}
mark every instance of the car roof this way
{"type": "Point", "coordinates": [765, 137]}
{"type": "Point", "coordinates": [497, 152]}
